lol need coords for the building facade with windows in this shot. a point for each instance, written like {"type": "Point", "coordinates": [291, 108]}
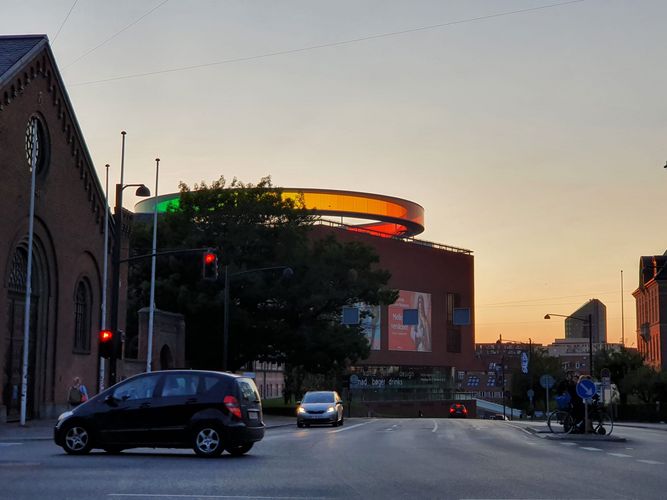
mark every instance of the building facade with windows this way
{"type": "Point", "coordinates": [68, 243]}
{"type": "Point", "coordinates": [651, 309]}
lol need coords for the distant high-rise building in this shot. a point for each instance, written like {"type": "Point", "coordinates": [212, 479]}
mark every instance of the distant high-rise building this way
{"type": "Point", "coordinates": [593, 311]}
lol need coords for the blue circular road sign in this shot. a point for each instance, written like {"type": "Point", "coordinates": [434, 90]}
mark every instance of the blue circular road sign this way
{"type": "Point", "coordinates": [586, 389]}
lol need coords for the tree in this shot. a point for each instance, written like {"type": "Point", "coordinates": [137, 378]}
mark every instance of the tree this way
{"type": "Point", "coordinates": [293, 319]}
{"type": "Point", "coordinates": [540, 363]}
{"type": "Point", "coordinates": [620, 364]}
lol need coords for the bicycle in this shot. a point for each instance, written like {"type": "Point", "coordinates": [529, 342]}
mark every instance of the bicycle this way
{"type": "Point", "coordinates": [561, 421]}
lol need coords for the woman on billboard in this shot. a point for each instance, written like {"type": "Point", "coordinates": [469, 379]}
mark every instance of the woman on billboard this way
{"type": "Point", "coordinates": [421, 332]}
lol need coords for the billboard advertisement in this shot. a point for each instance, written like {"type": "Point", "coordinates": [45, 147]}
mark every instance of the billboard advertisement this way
{"type": "Point", "coordinates": [410, 337]}
{"type": "Point", "coordinates": [370, 324]}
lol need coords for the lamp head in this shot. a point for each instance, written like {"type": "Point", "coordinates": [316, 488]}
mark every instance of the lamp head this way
{"type": "Point", "coordinates": [143, 191]}
{"type": "Point", "coordinates": [547, 316]}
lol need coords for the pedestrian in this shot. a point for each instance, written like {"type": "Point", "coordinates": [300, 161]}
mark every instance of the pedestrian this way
{"type": "Point", "coordinates": [77, 393]}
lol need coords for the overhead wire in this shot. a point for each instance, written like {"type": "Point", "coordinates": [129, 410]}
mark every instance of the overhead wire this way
{"type": "Point", "coordinates": [64, 21]}
{"type": "Point", "coordinates": [115, 34]}
{"type": "Point", "coordinates": [325, 45]}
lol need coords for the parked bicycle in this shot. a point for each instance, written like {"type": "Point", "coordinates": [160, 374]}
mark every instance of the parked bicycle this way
{"type": "Point", "coordinates": [561, 420]}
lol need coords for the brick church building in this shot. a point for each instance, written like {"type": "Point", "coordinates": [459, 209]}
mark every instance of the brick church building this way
{"type": "Point", "coordinates": [68, 243]}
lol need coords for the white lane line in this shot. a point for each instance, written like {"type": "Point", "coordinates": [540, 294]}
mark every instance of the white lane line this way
{"type": "Point", "coordinates": [435, 426]}
{"type": "Point", "coordinates": [157, 495]}
{"type": "Point", "coordinates": [651, 462]}
{"type": "Point", "coordinates": [590, 448]}
{"type": "Point", "coordinates": [620, 455]}
{"type": "Point", "coordinates": [568, 443]}
{"type": "Point", "coordinates": [10, 444]}
{"type": "Point", "coordinates": [352, 427]}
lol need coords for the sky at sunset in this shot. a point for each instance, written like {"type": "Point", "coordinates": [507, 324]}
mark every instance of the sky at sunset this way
{"type": "Point", "coordinates": [532, 132]}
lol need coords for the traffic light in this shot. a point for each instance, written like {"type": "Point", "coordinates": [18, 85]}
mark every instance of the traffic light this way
{"type": "Point", "coordinates": [106, 343]}
{"type": "Point", "coordinates": [210, 265]}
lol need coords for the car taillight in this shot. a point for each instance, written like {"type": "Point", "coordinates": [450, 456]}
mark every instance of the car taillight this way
{"type": "Point", "coordinates": [451, 410]}
{"type": "Point", "coordinates": [465, 410]}
{"type": "Point", "coordinates": [232, 405]}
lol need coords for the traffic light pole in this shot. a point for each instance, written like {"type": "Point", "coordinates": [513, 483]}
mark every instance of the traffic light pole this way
{"type": "Point", "coordinates": [115, 284]}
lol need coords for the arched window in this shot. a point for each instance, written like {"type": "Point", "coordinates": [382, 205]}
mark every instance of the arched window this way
{"type": "Point", "coordinates": [82, 300]}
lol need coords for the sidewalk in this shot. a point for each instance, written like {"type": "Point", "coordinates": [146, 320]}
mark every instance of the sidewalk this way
{"type": "Point", "coordinates": [42, 430]}
{"type": "Point", "coordinates": [540, 428]}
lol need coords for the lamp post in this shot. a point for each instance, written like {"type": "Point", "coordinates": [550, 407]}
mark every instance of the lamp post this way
{"type": "Point", "coordinates": [589, 320]}
{"type": "Point", "coordinates": [287, 272]}
{"type": "Point", "coordinates": [143, 191]}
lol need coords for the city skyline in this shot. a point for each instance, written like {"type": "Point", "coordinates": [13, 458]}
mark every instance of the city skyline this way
{"type": "Point", "coordinates": [531, 133]}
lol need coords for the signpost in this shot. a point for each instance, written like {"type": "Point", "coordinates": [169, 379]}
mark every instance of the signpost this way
{"type": "Point", "coordinates": [586, 390]}
{"type": "Point", "coordinates": [605, 377]}
{"type": "Point", "coordinates": [547, 382]}
{"type": "Point", "coordinates": [531, 394]}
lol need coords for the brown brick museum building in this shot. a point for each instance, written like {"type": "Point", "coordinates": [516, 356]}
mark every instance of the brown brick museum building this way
{"type": "Point", "coordinates": [68, 234]}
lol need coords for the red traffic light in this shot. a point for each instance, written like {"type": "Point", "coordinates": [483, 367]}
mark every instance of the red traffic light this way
{"type": "Point", "coordinates": [210, 265]}
{"type": "Point", "coordinates": [106, 335]}
{"type": "Point", "coordinates": [106, 343]}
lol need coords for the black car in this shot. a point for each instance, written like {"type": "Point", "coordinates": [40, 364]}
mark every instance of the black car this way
{"type": "Point", "coordinates": [204, 410]}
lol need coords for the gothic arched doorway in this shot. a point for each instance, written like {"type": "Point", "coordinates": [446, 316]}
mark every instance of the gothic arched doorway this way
{"type": "Point", "coordinates": [166, 358]}
{"type": "Point", "coordinates": [13, 364]}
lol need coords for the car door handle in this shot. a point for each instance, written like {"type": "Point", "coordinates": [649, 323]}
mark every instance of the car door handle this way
{"type": "Point", "coordinates": [145, 405]}
{"type": "Point", "coordinates": [190, 401]}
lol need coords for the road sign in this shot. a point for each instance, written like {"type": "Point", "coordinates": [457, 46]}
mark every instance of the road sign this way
{"type": "Point", "coordinates": [524, 362]}
{"type": "Point", "coordinates": [586, 389]}
{"type": "Point", "coordinates": [547, 381]}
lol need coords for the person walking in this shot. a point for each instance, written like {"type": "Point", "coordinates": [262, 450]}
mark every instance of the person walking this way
{"type": "Point", "coordinates": [77, 393]}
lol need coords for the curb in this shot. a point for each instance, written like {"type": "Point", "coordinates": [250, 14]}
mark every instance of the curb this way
{"type": "Point", "coordinates": [11, 439]}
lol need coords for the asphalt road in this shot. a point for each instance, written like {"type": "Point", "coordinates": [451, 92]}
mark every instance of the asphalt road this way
{"type": "Point", "coordinates": [374, 458]}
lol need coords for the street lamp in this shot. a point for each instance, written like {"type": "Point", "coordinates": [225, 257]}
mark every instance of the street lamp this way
{"type": "Point", "coordinates": [142, 191]}
{"type": "Point", "coordinates": [589, 320]}
{"type": "Point", "coordinates": [287, 272]}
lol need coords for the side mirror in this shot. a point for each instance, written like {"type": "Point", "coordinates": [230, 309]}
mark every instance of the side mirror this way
{"type": "Point", "coordinates": [298, 403]}
{"type": "Point", "coordinates": [110, 400]}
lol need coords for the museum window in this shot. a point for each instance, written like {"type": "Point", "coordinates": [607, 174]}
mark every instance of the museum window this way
{"type": "Point", "coordinates": [453, 331]}
{"type": "Point", "coordinates": [82, 309]}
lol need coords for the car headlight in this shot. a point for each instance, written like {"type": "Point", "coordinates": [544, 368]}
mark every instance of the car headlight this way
{"type": "Point", "coordinates": [331, 409]}
{"type": "Point", "coordinates": [301, 409]}
{"type": "Point", "coordinates": [63, 416]}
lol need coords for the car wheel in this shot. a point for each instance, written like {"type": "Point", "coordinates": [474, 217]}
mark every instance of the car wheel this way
{"type": "Point", "coordinates": [207, 441]}
{"type": "Point", "coordinates": [241, 449]}
{"type": "Point", "coordinates": [299, 424]}
{"type": "Point", "coordinates": [113, 450]}
{"type": "Point", "coordinates": [307, 425]}
{"type": "Point", "coordinates": [77, 440]}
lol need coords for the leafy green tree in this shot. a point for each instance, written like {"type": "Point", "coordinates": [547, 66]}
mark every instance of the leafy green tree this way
{"type": "Point", "coordinates": [289, 318]}
{"type": "Point", "coordinates": [620, 364]}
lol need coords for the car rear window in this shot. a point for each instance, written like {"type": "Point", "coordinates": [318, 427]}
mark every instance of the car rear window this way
{"type": "Point", "coordinates": [248, 389]}
{"type": "Point", "coordinates": [318, 397]}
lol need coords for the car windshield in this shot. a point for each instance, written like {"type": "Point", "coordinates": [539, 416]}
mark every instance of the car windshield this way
{"type": "Point", "coordinates": [318, 397]}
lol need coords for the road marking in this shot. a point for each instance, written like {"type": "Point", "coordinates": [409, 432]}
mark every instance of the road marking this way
{"type": "Point", "coordinates": [568, 443]}
{"type": "Point", "coordinates": [347, 429]}
{"type": "Point", "coordinates": [620, 455]}
{"type": "Point", "coordinates": [20, 464]}
{"type": "Point", "coordinates": [590, 448]}
{"type": "Point", "coordinates": [10, 444]}
{"type": "Point", "coordinates": [651, 462]}
{"type": "Point", "coordinates": [435, 426]}
{"type": "Point", "coordinates": [157, 495]}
